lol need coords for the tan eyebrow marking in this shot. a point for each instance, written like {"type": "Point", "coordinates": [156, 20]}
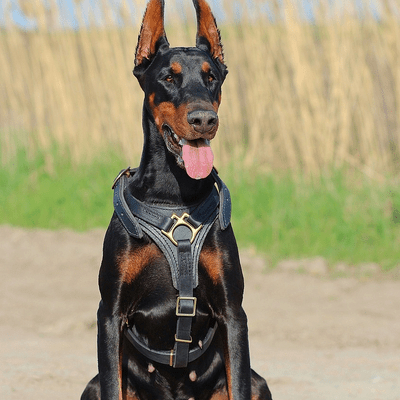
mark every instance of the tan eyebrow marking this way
{"type": "Point", "coordinates": [205, 67]}
{"type": "Point", "coordinates": [176, 68]}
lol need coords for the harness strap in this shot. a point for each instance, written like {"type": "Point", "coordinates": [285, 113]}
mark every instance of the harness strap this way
{"type": "Point", "coordinates": [186, 305]}
{"type": "Point", "coordinates": [127, 209]}
{"type": "Point", "coordinates": [125, 215]}
{"type": "Point", "coordinates": [167, 357]}
{"type": "Point", "coordinates": [225, 206]}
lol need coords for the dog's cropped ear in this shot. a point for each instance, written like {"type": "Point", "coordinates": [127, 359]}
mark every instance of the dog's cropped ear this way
{"type": "Point", "coordinates": [152, 37]}
{"type": "Point", "coordinates": [208, 36]}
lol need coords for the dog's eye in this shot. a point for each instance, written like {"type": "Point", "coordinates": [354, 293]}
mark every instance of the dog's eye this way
{"type": "Point", "coordinates": [211, 78]}
{"type": "Point", "coordinates": [169, 78]}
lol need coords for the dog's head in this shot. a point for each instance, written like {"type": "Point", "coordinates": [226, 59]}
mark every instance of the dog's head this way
{"type": "Point", "coordinates": [182, 86]}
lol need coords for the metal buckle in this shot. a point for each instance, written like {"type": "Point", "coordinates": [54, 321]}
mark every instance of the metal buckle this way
{"type": "Point", "coordinates": [183, 340]}
{"type": "Point", "coordinates": [126, 172]}
{"type": "Point", "coordinates": [181, 221]}
{"type": "Point", "coordinates": [179, 314]}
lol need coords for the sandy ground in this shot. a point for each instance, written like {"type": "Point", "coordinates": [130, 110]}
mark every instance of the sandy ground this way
{"type": "Point", "coordinates": [311, 337]}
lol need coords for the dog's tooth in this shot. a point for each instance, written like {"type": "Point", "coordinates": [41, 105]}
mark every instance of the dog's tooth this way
{"type": "Point", "coordinates": [176, 137]}
{"type": "Point", "coordinates": [151, 368]}
{"type": "Point", "coordinates": [183, 141]}
{"type": "Point", "coordinates": [200, 344]}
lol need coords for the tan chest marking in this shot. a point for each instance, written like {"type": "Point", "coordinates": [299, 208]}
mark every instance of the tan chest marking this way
{"type": "Point", "coordinates": [132, 263]}
{"type": "Point", "coordinates": [212, 262]}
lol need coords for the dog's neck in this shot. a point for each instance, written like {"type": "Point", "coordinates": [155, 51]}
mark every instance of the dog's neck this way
{"type": "Point", "coordinates": [159, 179]}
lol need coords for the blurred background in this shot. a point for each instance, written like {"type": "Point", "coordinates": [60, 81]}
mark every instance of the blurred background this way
{"type": "Point", "coordinates": [309, 139]}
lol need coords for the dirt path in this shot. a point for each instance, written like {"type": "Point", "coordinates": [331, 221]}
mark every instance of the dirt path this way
{"type": "Point", "coordinates": [312, 338]}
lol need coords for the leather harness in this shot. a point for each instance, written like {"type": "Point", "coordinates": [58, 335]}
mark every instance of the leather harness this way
{"type": "Point", "coordinates": [179, 232]}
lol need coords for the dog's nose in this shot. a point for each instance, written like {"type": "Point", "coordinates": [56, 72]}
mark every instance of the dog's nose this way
{"type": "Point", "coordinates": [202, 121]}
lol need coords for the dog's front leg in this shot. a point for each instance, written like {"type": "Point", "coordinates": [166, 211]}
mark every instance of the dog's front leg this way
{"type": "Point", "coordinates": [109, 353]}
{"type": "Point", "coordinates": [236, 354]}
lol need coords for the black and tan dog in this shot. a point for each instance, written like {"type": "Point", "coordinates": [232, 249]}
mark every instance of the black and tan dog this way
{"type": "Point", "coordinates": [171, 323]}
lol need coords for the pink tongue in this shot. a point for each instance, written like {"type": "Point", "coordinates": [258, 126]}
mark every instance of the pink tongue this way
{"type": "Point", "coordinates": [198, 158]}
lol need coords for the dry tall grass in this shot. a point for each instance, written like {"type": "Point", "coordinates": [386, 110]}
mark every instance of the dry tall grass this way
{"type": "Point", "coordinates": [298, 95]}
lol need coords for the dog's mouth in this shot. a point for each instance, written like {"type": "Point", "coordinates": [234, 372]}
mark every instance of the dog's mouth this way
{"type": "Point", "coordinates": [195, 156]}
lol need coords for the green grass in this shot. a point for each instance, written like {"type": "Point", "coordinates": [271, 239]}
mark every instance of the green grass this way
{"type": "Point", "coordinates": [337, 217]}
{"type": "Point", "coordinates": [340, 217]}
{"type": "Point", "coordinates": [60, 196]}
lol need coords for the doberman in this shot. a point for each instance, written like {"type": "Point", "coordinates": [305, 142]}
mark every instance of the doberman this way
{"type": "Point", "coordinates": [170, 320]}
